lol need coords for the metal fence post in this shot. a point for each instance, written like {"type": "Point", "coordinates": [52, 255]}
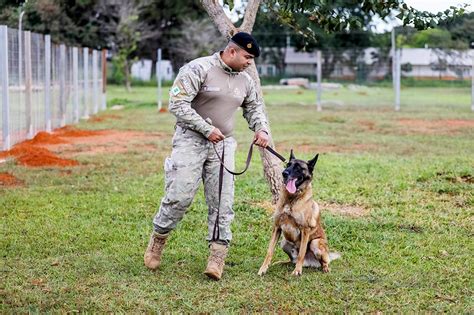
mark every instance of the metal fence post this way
{"type": "Point", "coordinates": [86, 82]}
{"type": "Point", "coordinates": [319, 78]}
{"type": "Point", "coordinates": [47, 81]}
{"type": "Point", "coordinates": [472, 80]}
{"type": "Point", "coordinates": [75, 82]}
{"type": "Point", "coordinates": [4, 86]}
{"type": "Point", "coordinates": [158, 78]}
{"type": "Point", "coordinates": [397, 78]}
{"type": "Point", "coordinates": [28, 90]}
{"type": "Point", "coordinates": [62, 84]}
{"type": "Point", "coordinates": [104, 79]}
{"type": "Point", "coordinates": [393, 59]}
{"type": "Point", "coordinates": [95, 83]}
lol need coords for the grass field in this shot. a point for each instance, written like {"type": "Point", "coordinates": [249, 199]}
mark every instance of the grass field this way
{"type": "Point", "coordinates": [396, 189]}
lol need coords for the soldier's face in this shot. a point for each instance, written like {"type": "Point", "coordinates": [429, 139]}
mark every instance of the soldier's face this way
{"type": "Point", "coordinates": [241, 59]}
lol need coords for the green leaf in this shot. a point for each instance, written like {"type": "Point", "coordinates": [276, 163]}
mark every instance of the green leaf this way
{"type": "Point", "coordinates": [230, 3]}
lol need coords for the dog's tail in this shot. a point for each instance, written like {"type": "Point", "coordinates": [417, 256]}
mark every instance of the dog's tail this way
{"type": "Point", "coordinates": [334, 256]}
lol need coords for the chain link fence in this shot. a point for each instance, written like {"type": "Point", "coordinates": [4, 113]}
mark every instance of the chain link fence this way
{"type": "Point", "coordinates": [44, 86]}
{"type": "Point", "coordinates": [396, 77]}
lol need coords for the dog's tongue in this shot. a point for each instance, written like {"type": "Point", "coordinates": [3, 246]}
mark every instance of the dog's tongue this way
{"type": "Point", "coordinates": [290, 186]}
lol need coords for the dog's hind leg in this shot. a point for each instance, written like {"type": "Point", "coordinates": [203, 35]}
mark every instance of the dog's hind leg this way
{"type": "Point", "coordinates": [320, 249]}
{"type": "Point", "coordinates": [290, 249]}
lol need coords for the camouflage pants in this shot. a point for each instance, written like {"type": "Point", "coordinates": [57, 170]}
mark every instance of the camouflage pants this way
{"type": "Point", "coordinates": [193, 158]}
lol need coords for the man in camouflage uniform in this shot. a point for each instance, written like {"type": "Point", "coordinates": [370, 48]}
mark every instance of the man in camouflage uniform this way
{"type": "Point", "coordinates": [204, 98]}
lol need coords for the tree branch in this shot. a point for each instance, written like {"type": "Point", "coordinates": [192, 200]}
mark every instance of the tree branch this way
{"type": "Point", "coordinates": [219, 18]}
{"type": "Point", "coordinates": [250, 15]}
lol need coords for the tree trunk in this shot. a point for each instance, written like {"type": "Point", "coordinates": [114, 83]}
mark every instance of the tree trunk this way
{"type": "Point", "coordinates": [271, 165]}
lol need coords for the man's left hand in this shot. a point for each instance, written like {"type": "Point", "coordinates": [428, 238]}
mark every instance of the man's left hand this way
{"type": "Point", "coordinates": [261, 139]}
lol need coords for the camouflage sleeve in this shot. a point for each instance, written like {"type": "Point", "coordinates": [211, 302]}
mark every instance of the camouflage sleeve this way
{"type": "Point", "coordinates": [185, 87]}
{"type": "Point", "coordinates": [253, 109]}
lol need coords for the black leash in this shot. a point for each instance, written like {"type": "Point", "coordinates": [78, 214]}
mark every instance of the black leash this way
{"type": "Point", "coordinates": [221, 177]}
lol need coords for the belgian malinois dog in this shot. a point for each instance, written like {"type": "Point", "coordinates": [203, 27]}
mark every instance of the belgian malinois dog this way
{"type": "Point", "coordinates": [297, 215]}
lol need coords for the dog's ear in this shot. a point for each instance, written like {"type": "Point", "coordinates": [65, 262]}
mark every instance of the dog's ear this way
{"type": "Point", "coordinates": [292, 157]}
{"type": "Point", "coordinates": [312, 163]}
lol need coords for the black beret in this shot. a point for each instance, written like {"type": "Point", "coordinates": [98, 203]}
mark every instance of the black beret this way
{"type": "Point", "coordinates": [246, 42]}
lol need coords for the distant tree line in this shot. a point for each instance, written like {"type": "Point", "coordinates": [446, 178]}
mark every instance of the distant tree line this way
{"type": "Point", "coordinates": [136, 29]}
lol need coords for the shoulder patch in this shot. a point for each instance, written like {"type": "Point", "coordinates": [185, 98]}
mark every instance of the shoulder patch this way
{"type": "Point", "coordinates": [175, 90]}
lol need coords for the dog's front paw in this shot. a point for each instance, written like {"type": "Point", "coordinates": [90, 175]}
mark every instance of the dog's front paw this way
{"type": "Point", "coordinates": [297, 272]}
{"type": "Point", "coordinates": [325, 268]}
{"type": "Point", "coordinates": [263, 270]}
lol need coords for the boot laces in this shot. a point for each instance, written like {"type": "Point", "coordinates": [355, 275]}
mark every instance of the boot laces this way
{"type": "Point", "coordinates": [219, 257]}
{"type": "Point", "coordinates": [157, 243]}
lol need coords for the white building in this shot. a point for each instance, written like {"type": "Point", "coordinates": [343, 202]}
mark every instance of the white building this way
{"type": "Point", "coordinates": [141, 70]}
{"type": "Point", "coordinates": [436, 63]}
{"type": "Point", "coordinates": [374, 63]}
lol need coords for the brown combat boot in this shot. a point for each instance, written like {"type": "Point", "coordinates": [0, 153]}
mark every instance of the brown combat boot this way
{"type": "Point", "coordinates": [215, 262]}
{"type": "Point", "coordinates": [155, 248]}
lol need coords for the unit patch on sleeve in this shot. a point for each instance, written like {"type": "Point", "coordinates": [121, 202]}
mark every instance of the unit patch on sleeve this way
{"type": "Point", "coordinates": [175, 90]}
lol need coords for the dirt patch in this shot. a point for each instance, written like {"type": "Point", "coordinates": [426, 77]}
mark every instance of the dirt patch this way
{"type": "Point", "coordinates": [108, 141]}
{"type": "Point", "coordinates": [9, 180]}
{"type": "Point", "coordinates": [332, 119]}
{"type": "Point", "coordinates": [334, 208]}
{"type": "Point", "coordinates": [325, 148]}
{"type": "Point", "coordinates": [456, 179]}
{"type": "Point", "coordinates": [435, 126]}
{"type": "Point", "coordinates": [68, 132]}
{"type": "Point", "coordinates": [102, 118]}
{"type": "Point", "coordinates": [411, 228]}
{"type": "Point", "coordinates": [368, 124]}
{"type": "Point", "coordinates": [465, 179]}
{"type": "Point", "coordinates": [266, 205]}
{"type": "Point", "coordinates": [345, 210]}
{"type": "Point", "coordinates": [45, 138]}
{"type": "Point", "coordinates": [70, 142]}
{"type": "Point", "coordinates": [28, 154]}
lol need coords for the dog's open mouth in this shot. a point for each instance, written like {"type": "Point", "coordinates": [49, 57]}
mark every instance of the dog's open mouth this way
{"type": "Point", "coordinates": [291, 185]}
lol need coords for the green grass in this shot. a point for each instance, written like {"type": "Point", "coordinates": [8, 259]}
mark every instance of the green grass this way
{"type": "Point", "coordinates": [75, 242]}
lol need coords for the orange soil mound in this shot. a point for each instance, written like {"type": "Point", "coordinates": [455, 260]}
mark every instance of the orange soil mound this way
{"type": "Point", "coordinates": [7, 179]}
{"type": "Point", "coordinates": [73, 132]}
{"type": "Point", "coordinates": [28, 154]}
{"type": "Point", "coordinates": [104, 117]}
{"type": "Point", "coordinates": [45, 138]}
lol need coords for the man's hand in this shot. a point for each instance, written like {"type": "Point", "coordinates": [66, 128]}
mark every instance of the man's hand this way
{"type": "Point", "coordinates": [216, 136]}
{"type": "Point", "coordinates": [261, 139]}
